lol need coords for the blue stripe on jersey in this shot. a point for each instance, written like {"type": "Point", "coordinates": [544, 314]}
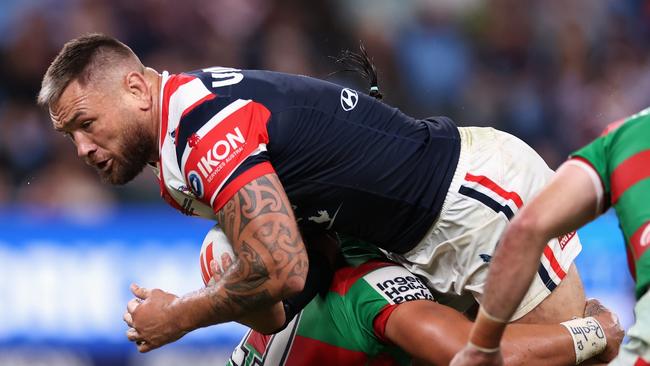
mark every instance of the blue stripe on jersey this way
{"type": "Point", "coordinates": [486, 200]}
{"type": "Point", "coordinates": [250, 162]}
{"type": "Point", "coordinates": [543, 274]}
{"type": "Point", "coordinates": [194, 120]}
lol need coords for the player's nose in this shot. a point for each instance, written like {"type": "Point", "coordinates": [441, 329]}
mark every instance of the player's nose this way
{"type": "Point", "coordinates": [85, 147]}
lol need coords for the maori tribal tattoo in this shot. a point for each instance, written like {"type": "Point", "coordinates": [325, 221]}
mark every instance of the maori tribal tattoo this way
{"type": "Point", "coordinates": [262, 229]}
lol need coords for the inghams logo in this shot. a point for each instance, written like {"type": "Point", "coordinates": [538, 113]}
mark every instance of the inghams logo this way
{"type": "Point", "coordinates": [220, 151]}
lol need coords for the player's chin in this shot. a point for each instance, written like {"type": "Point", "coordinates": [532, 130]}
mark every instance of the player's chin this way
{"type": "Point", "coordinates": [119, 174]}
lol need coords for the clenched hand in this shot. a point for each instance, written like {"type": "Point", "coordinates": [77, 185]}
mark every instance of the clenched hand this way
{"type": "Point", "coordinates": [151, 319]}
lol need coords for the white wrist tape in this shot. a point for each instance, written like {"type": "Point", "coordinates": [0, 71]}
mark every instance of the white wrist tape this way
{"type": "Point", "coordinates": [491, 317]}
{"type": "Point", "coordinates": [483, 349]}
{"type": "Point", "coordinates": [588, 337]}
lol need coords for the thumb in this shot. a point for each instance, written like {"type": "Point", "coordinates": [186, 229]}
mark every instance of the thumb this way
{"type": "Point", "coordinates": [139, 292]}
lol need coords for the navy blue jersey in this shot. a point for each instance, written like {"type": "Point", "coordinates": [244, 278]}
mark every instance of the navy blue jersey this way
{"type": "Point", "coordinates": [348, 162]}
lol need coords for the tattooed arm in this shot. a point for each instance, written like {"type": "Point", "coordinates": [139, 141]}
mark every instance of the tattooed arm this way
{"type": "Point", "coordinates": [271, 260]}
{"type": "Point", "coordinates": [271, 265]}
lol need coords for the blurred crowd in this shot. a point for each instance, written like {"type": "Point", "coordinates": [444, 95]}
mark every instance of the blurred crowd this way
{"type": "Point", "coordinates": [552, 72]}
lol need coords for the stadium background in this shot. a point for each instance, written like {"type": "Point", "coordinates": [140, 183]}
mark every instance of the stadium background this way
{"type": "Point", "coordinates": [552, 72]}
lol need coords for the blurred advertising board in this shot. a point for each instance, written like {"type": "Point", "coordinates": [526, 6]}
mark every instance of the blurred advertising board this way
{"type": "Point", "coordinates": [64, 283]}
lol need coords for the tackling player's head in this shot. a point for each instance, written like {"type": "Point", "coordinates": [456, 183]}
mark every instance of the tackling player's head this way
{"type": "Point", "coordinates": [101, 96]}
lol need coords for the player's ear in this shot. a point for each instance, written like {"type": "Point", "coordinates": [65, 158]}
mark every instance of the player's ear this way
{"type": "Point", "coordinates": [137, 87]}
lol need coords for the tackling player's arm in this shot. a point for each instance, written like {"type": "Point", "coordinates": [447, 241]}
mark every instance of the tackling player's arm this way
{"type": "Point", "coordinates": [568, 202]}
{"type": "Point", "coordinates": [432, 333]}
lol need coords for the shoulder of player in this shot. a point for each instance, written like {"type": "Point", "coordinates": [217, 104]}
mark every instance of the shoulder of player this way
{"type": "Point", "coordinates": [369, 271]}
{"type": "Point", "coordinates": [638, 120]}
{"type": "Point", "coordinates": [381, 280]}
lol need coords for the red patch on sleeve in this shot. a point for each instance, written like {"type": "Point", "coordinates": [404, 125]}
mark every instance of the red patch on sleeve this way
{"type": "Point", "coordinates": [612, 126]}
{"type": "Point", "coordinates": [218, 153]}
{"type": "Point", "coordinates": [344, 278]}
{"type": "Point", "coordinates": [379, 324]}
{"type": "Point", "coordinates": [243, 179]}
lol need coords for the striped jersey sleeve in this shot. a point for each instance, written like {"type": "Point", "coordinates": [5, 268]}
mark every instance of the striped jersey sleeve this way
{"type": "Point", "coordinates": [603, 155]}
{"type": "Point", "coordinates": [592, 158]}
{"type": "Point", "coordinates": [219, 142]}
{"type": "Point", "coordinates": [372, 297]}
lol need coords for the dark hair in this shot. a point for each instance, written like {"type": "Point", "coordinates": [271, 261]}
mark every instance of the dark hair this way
{"type": "Point", "coordinates": [76, 60]}
{"type": "Point", "coordinates": [361, 63]}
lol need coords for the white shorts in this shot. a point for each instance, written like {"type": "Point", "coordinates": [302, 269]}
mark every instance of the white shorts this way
{"type": "Point", "coordinates": [497, 173]}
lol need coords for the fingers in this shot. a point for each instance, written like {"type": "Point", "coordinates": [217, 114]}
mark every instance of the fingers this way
{"type": "Point", "coordinates": [128, 319]}
{"type": "Point", "coordinates": [145, 347]}
{"type": "Point", "coordinates": [142, 345]}
{"type": "Point", "coordinates": [214, 268]}
{"type": "Point", "coordinates": [140, 292]}
{"type": "Point", "coordinates": [133, 335]}
{"type": "Point", "coordinates": [216, 271]}
{"type": "Point", "coordinates": [593, 307]}
{"type": "Point", "coordinates": [226, 261]}
{"type": "Point", "coordinates": [132, 305]}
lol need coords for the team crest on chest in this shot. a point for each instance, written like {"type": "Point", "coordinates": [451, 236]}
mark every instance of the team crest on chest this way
{"type": "Point", "coordinates": [196, 184]}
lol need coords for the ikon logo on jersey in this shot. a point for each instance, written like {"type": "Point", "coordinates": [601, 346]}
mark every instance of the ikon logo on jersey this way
{"type": "Point", "coordinates": [220, 151]}
{"type": "Point", "coordinates": [349, 99]}
{"type": "Point", "coordinates": [226, 141]}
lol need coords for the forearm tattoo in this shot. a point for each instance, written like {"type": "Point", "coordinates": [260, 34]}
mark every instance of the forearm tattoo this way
{"type": "Point", "coordinates": [260, 224]}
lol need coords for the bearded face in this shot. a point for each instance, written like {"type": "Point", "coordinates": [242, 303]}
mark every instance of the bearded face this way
{"type": "Point", "coordinates": [135, 148]}
{"type": "Point", "coordinates": [110, 129]}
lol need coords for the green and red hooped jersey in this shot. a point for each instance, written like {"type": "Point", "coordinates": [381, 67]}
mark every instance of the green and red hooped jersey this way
{"type": "Point", "coordinates": [619, 163]}
{"type": "Point", "coordinates": [345, 327]}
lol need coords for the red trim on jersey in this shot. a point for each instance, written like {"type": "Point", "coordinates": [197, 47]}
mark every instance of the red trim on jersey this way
{"type": "Point", "coordinates": [548, 253]}
{"type": "Point", "coordinates": [197, 103]}
{"type": "Point", "coordinates": [258, 341]}
{"type": "Point", "coordinates": [631, 264]}
{"type": "Point", "coordinates": [630, 172]}
{"type": "Point", "coordinates": [171, 85]}
{"type": "Point", "coordinates": [638, 247]}
{"type": "Point", "coordinates": [641, 362]}
{"type": "Point", "coordinates": [612, 126]}
{"type": "Point", "coordinates": [605, 204]}
{"type": "Point", "coordinates": [491, 185]}
{"type": "Point", "coordinates": [204, 273]}
{"type": "Point", "coordinates": [379, 324]}
{"type": "Point", "coordinates": [309, 351]}
{"type": "Point", "coordinates": [238, 183]}
{"type": "Point", "coordinates": [346, 277]}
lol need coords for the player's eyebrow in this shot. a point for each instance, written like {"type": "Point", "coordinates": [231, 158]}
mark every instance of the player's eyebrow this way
{"type": "Point", "coordinates": [70, 121]}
